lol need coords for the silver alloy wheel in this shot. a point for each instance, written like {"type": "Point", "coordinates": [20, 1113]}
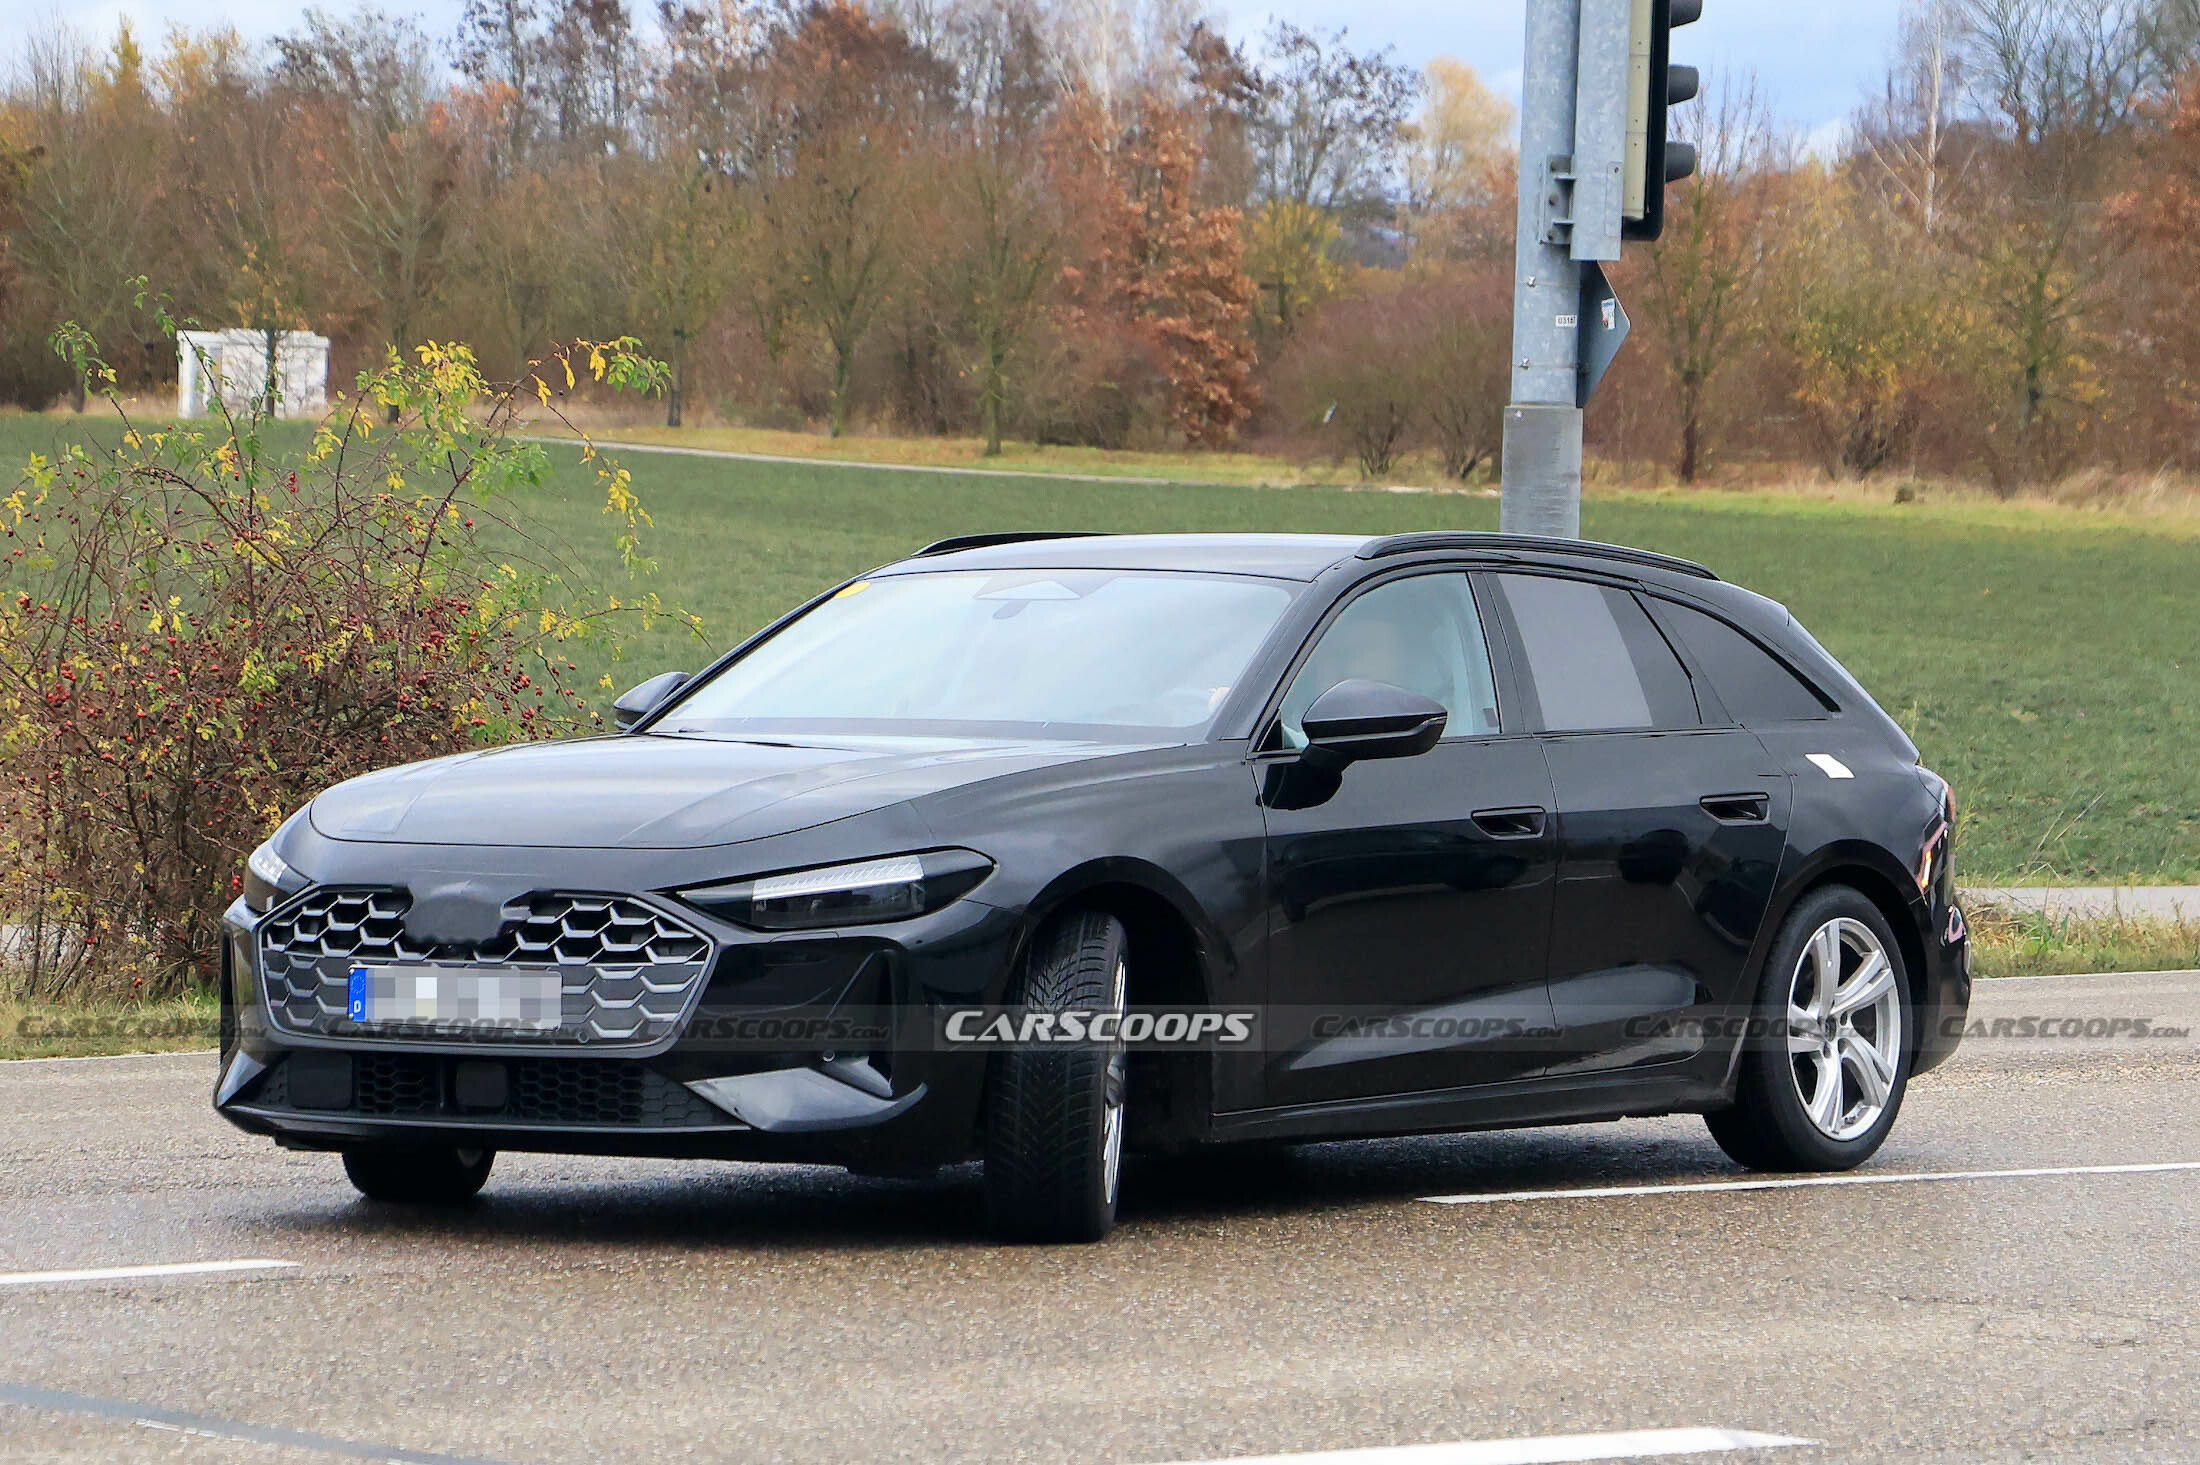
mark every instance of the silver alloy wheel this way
{"type": "Point", "coordinates": [1844, 1023]}
{"type": "Point", "coordinates": [1111, 1135]}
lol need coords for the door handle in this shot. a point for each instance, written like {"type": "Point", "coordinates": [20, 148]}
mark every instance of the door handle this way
{"type": "Point", "coordinates": [1739, 808]}
{"type": "Point", "coordinates": [1511, 823]}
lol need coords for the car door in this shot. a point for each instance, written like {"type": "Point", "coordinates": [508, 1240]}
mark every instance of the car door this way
{"type": "Point", "coordinates": [1409, 903]}
{"type": "Point", "coordinates": [1670, 827]}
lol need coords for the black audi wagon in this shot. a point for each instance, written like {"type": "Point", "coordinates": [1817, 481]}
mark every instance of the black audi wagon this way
{"type": "Point", "coordinates": [1039, 848]}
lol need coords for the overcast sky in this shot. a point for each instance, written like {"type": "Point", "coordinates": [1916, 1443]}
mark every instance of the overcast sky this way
{"type": "Point", "coordinates": [1814, 62]}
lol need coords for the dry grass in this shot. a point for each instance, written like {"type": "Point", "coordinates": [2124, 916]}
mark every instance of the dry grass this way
{"type": "Point", "coordinates": [100, 1029]}
{"type": "Point", "coordinates": [1245, 469]}
{"type": "Point", "coordinates": [2157, 502]}
{"type": "Point", "coordinates": [2009, 943]}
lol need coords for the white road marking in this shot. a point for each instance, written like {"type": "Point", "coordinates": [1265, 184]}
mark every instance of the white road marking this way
{"type": "Point", "coordinates": [194, 1432]}
{"type": "Point", "coordinates": [127, 1274]}
{"type": "Point", "coordinates": [202, 1426]}
{"type": "Point", "coordinates": [2076, 976]}
{"type": "Point", "coordinates": [1555, 1449]}
{"type": "Point", "coordinates": [1605, 1192]}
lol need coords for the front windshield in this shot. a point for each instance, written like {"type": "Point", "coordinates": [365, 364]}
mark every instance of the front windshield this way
{"type": "Point", "coordinates": [1026, 653]}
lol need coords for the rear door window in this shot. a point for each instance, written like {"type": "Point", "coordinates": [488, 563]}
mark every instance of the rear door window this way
{"type": "Point", "coordinates": [1596, 663]}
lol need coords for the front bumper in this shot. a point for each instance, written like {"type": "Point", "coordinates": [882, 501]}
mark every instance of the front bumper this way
{"type": "Point", "coordinates": [810, 1048]}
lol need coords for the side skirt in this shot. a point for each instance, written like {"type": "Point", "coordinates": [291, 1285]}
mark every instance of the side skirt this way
{"type": "Point", "coordinates": [1525, 1104]}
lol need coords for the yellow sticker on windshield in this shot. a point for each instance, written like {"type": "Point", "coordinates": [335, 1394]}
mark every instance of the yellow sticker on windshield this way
{"type": "Point", "coordinates": [856, 589]}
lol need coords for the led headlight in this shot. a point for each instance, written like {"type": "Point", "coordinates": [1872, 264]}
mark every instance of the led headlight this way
{"type": "Point", "coordinates": [890, 889]}
{"type": "Point", "coordinates": [267, 880]}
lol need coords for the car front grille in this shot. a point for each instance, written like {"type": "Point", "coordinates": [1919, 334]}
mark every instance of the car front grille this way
{"type": "Point", "coordinates": [550, 1091]}
{"type": "Point", "coordinates": [628, 970]}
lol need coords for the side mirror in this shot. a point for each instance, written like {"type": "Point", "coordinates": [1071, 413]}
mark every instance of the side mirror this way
{"type": "Point", "coordinates": [1359, 720]}
{"type": "Point", "coordinates": [646, 698]}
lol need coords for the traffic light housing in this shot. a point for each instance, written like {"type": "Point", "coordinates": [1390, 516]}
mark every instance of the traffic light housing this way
{"type": "Point", "coordinates": [1655, 84]}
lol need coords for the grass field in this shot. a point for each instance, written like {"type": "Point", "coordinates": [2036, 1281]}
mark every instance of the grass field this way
{"type": "Point", "coordinates": [2047, 659]}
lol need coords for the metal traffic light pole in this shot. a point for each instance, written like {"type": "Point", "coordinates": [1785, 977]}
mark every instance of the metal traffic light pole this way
{"type": "Point", "coordinates": [1542, 452]}
{"type": "Point", "coordinates": [1594, 162]}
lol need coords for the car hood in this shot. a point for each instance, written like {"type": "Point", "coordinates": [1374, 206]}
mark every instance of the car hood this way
{"type": "Point", "coordinates": [648, 792]}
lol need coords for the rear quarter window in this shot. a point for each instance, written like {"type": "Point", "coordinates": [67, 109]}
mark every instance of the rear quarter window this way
{"type": "Point", "coordinates": [1754, 685]}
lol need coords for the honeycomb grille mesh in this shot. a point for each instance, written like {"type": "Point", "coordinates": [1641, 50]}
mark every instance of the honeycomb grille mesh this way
{"type": "Point", "coordinates": [539, 1091]}
{"type": "Point", "coordinates": [628, 969]}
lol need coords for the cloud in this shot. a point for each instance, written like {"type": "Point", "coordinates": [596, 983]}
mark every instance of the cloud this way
{"type": "Point", "coordinates": [1828, 141]}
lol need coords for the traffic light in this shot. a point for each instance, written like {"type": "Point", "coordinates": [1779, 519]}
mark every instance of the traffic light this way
{"type": "Point", "coordinates": [1655, 84]}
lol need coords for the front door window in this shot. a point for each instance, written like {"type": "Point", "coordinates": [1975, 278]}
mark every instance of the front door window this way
{"type": "Point", "coordinates": [1422, 634]}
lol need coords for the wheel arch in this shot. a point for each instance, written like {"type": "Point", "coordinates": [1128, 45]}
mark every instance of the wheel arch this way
{"type": "Point", "coordinates": [1176, 959]}
{"type": "Point", "coordinates": [1880, 879]}
{"type": "Point", "coordinates": [1872, 873]}
{"type": "Point", "coordinates": [1184, 957]}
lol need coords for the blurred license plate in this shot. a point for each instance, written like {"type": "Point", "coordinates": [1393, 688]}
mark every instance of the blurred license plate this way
{"type": "Point", "coordinates": [456, 997]}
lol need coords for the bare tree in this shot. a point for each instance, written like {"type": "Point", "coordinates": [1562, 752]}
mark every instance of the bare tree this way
{"type": "Point", "coordinates": [572, 68]}
{"type": "Point", "coordinates": [1906, 133]}
{"type": "Point", "coordinates": [2058, 85]}
{"type": "Point", "coordinates": [81, 238]}
{"type": "Point", "coordinates": [1719, 246]}
{"type": "Point", "coordinates": [396, 175]}
{"type": "Point", "coordinates": [255, 178]}
{"type": "Point", "coordinates": [1117, 50]}
{"type": "Point", "coordinates": [1327, 121]}
{"type": "Point", "coordinates": [1003, 233]}
{"type": "Point", "coordinates": [2058, 71]}
{"type": "Point", "coordinates": [845, 95]}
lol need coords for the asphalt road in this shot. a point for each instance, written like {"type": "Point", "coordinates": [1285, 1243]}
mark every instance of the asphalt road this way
{"type": "Point", "coordinates": [1276, 1303]}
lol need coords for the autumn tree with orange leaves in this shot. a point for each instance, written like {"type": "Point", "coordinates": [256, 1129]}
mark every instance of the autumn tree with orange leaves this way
{"type": "Point", "coordinates": [1157, 264]}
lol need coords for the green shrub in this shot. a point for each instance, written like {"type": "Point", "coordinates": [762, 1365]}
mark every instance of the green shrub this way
{"type": "Point", "coordinates": [199, 630]}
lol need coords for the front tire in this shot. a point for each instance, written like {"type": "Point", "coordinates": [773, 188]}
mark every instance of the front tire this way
{"type": "Point", "coordinates": [417, 1175]}
{"type": "Point", "coordinates": [1828, 1060]}
{"type": "Point", "coordinates": [1054, 1116]}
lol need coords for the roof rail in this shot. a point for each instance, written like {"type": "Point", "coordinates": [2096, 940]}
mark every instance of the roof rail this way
{"type": "Point", "coordinates": [987, 541]}
{"type": "Point", "coordinates": [1398, 544]}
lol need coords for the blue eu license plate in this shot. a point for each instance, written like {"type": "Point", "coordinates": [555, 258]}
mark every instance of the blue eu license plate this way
{"type": "Point", "coordinates": [456, 997]}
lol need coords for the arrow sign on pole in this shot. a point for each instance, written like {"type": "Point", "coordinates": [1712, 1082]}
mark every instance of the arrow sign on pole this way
{"type": "Point", "coordinates": [1604, 326]}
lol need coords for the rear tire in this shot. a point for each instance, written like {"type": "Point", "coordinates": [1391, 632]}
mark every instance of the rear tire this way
{"type": "Point", "coordinates": [1828, 1059]}
{"type": "Point", "coordinates": [418, 1175]}
{"type": "Point", "coordinates": [1054, 1116]}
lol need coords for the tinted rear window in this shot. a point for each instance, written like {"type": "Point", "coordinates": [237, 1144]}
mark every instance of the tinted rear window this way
{"type": "Point", "coordinates": [1752, 683]}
